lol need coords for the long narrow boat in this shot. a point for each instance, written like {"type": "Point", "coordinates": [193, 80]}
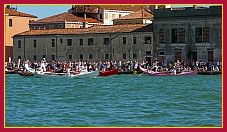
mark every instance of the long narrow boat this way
{"type": "Point", "coordinates": [25, 73]}
{"type": "Point", "coordinates": [85, 74]}
{"type": "Point", "coordinates": [10, 71]}
{"type": "Point", "coordinates": [209, 72]}
{"type": "Point", "coordinates": [153, 73]}
{"type": "Point", "coordinates": [108, 73]}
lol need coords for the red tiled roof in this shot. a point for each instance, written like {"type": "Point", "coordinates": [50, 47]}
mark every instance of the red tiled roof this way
{"type": "Point", "coordinates": [12, 12]}
{"type": "Point", "coordinates": [139, 14]}
{"type": "Point", "coordinates": [92, 30]}
{"type": "Point", "coordinates": [69, 17]}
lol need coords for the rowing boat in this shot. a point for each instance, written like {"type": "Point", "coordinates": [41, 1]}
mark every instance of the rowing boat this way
{"type": "Point", "coordinates": [153, 73]}
{"type": "Point", "coordinates": [108, 73]}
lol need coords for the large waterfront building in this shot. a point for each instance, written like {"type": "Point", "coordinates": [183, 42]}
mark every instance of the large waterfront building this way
{"type": "Point", "coordinates": [15, 22]}
{"type": "Point", "coordinates": [114, 42]}
{"type": "Point", "coordinates": [192, 33]}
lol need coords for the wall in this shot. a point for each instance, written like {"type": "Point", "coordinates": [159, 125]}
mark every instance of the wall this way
{"type": "Point", "coordinates": [98, 50]}
{"type": "Point", "coordinates": [19, 24]}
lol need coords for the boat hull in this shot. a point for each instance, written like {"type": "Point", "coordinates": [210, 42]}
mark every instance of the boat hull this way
{"type": "Point", "coordinates": [108, 73]}
{"type": "Point", "coordinates": [86, 74]}
{"type": "Point", "coordinates": [209, 72]}
{"type": "Point", "coordinates": [184, 73]}
{"type": "Point", "coordinates": [25, 73]}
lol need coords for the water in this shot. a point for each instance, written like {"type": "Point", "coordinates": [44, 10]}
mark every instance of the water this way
{"type": "Point", "coordinates": [116, 101]}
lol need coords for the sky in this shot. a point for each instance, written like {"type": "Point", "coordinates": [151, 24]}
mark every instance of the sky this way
{"type": "Point", "coordinates": [42, 11]}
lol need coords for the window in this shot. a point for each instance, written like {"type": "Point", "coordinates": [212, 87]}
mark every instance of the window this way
{"type": "Point", "coordinates": [19, 44]}
{"type": "Point", "coordinates": [60, 26]}
{"type": "Point", "coordinates": [90, 41]}
{"type": "Point", "coordinates": [161, 36]}
{"type": "Point", "coordinates": [134, 56]}
{"type": "Point", "coordinates": [148, 53]}
{"type": "Point", "coordinates": [124, 56]}
{"type": "Point", "coordinates": [53, 57]}
{"type": "Point", "coordinates": [90, 56]}
{"type": "Point", "coordinates": [178, 35]}
{"type": "Point", "coordinates": [61, 40]}
{"type": "Point", "coordinates": [147, 40]}
{"type": "Point", "coordinates": [70, 57]}
{"type": "Point", "coordinates": [106, 15]}
{"type": "Point", "coordinates": [177, 55]}
{"type": "Point", "coordinates": [51, 26]}
{"type": "Point", "coordinates": [100, 16]}
{"type": "Point", "coordinates": [34, 43]}
{"type": "Point", "coordinates": [134, 40]}
{"type": "Point", "coordinates": [106, 40]}
{"type": "Point", "coordinates": [124, 40]}
{"type": "Point", "coordinates": [53, 42]}
{"type": "Point", "coordinates": [81, 42]}
{"type": "Point", "coordinates": [69, 42]}
{"type": "Point", "coordinates": [107, 56]}
{"type": "Point", "coordinates": [181, 35]}
{"type": "Point", "coordinates": [161, 53]}
{"type": "Point", "coordinates": [113, 16]}
{"type": "Point", "coordinates": [81, 57]}
{"type": "Point", "coordinates": [19, 57]}
{"type": "Point", "coordinates": [119, 15]}
{"type": "Point", "coordinates": [174, 35]}
{"type": "Point", "coordinates": [34, 58]}
{"type": "Point", "coordinates": [210, 55]}
{"type": "Point", "coordinates": [10, 22]}
{"type": "Point", "coordinates": [202, 35]}
{"type": "Point", "coordinates": [206, 34]}
{"type": "Point", "coordinates": [198, 35]}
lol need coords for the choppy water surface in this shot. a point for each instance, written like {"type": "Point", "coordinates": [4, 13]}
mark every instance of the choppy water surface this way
{"type": "Point", "coordinates": [121, 100]}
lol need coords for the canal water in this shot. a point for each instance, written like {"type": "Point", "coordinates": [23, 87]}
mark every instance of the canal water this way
{"type": "Point", "coordinates": [115, 101]}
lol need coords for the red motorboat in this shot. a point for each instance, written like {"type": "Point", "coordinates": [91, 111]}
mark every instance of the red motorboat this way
{"type": "Point", "coordinates": [108, 73]}
{"type": "Point", "coordinates": [153, 73]}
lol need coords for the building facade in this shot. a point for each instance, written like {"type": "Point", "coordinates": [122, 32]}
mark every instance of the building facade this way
{"type": "Point", "coordinates": [116, 42]}
{"type": "Point", "coordinates": [15, 22]}
{"type": "Point", "coordinates": [188, 34]}
{"type": "Point", "coordinates": [62, 21]}
{"type": "Point", "coordinates": [141, 16]}
{"type": "Point", "coordinates": [107, 13]}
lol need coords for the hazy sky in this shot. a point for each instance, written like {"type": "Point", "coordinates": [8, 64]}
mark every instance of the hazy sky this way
{"type": "Point", "coordinates": [42, 11]}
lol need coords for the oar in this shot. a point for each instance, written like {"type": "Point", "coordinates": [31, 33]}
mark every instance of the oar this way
{"type": "Point", "coordinates": [141, 74]}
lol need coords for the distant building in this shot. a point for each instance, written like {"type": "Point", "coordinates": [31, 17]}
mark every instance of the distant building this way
{"type": "Point", "coordinates": [15, 22]}
{"type": "Point", "coordinates": [117, 42]}
{"type": "Point", "coordinates": [106, 13]}
{"type": "Point", "coordinates": [189, 34]}
{"type": "Point", "coordinates": [141, 16]}
{"type": "Point", "coordinates": [64, 20]}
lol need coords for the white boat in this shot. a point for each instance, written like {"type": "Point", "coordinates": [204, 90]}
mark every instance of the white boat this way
{"type": "Point", "coordinates": [85, 74]}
